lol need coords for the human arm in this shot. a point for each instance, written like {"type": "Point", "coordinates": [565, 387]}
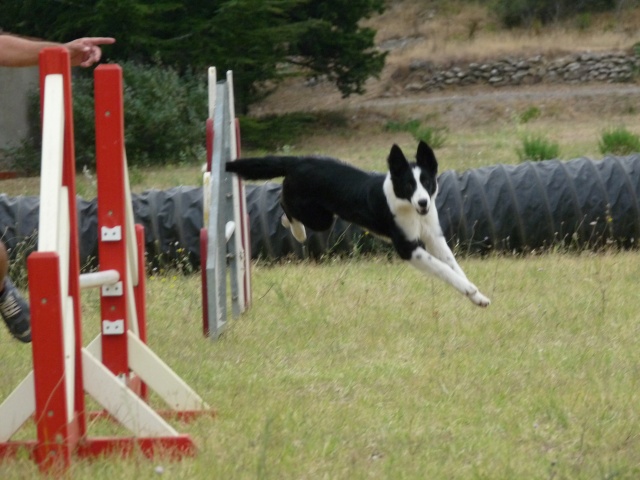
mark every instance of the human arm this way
{"type": "Point", "coordinates": [21, 52]}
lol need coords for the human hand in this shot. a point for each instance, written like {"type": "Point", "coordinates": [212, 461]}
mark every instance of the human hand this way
{"type": "Point", "coordinates": [85, 51]}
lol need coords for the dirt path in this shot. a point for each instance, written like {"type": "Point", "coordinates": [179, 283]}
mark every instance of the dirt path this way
{"type": "Point", "coordinates": [524, 94]}
{"type": "Point", "coordinates": [301, 97]}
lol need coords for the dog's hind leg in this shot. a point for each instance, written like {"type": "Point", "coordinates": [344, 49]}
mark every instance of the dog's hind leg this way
{"type": "Point", "coordinates": [297, 228]}
{"type": "Point", "coordinates": [305, 213]}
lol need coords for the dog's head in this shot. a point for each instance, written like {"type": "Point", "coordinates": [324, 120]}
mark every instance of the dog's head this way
{"type": "Point", "coordinates": [415, 183]}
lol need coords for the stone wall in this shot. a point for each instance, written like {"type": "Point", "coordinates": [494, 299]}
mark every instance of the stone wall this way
{"type": "Point", "coordinates": [513, 71]}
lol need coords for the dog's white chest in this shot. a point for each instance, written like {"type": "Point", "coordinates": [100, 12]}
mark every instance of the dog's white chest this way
{"type": "Point", "coordinates": [409, 222]}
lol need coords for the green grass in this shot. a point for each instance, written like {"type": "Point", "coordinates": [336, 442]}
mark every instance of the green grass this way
{"type": "Point", "coordinates": [536, 148]}
{"type": "Point", "coordinates": [366, 369]}
{"type": "Point", "coordinates": [529, 114]}
{"type": "Point", "coordinates": [619, 141]}
{"type": "Point", "coordinates": [435, 136]}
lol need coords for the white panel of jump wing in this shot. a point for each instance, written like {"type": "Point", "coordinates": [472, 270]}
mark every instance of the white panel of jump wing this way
{"type": "Point", "coordinates": [206, 176]}
{"type": "Point", "coordinates": [17, 408]}
{"type": "Point", "coordinates": [155, 373]}
{"type": "Point", "coordinates": [54, 222]}
{"type": "Point", "coordinates": [132, 252]}
{"type": "Point", "coordinates": [121, 402]}
{"type": "Point", "coordinates": [238, 263]}
{"type": "Point", "coordinates": [206, 197]}
{"type": "Point", "coordinates": [212, 79]}
{"type": "Point", "coordinates": [216, 245]}
{"type": "Point", "coordinates": [162, 380]}
{"type": "Point", "coordinates": [51, 166]}
{"type": "Point", "coordinates": [132, 242]}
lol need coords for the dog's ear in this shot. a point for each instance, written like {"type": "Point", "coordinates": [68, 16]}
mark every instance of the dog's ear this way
{"type": "Point", "coordinates": [426, 159]}
{"type": "Point", "coordinates": [397, 161]}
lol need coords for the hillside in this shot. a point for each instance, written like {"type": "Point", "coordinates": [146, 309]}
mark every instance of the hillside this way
{"type": "Point", "coordinates": [414, 34]}
{"type": "Point", "coordinates": [483, 124]}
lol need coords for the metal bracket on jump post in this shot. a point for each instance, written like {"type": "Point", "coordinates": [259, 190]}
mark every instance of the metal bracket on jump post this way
{"type": "Point", "coordinates": [224, 241]}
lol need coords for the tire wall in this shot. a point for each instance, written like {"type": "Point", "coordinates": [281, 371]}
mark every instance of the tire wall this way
{"type": "Point", "coordinates": [581, 202]}
{"type": "Point", "coordinates": [534, 205]}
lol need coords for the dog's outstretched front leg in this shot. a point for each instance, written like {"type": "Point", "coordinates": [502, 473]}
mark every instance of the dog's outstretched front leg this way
{"type": "Point", "coordinates": [437, 246]}
{"type": "Point", "coordinates": [297, 228]}
{"type": "Point", "coordinates": [427, 263]}
{"type": "Point", "coordinates": [435, 243]}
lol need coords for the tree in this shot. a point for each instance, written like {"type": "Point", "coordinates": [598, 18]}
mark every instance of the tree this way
{"type": "Point", "coordinates": [262, 41]}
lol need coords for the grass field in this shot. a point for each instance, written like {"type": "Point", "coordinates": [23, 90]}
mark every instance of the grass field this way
{"type": "Point", "coordinates": [366, 369]}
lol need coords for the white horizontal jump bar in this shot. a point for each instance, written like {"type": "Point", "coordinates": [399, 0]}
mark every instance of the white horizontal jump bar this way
{"type": "Point", "coordinates": [98, 279]}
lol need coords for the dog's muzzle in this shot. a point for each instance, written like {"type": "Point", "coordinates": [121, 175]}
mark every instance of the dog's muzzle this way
{"type": "Point", "coordinates": [423, 207]}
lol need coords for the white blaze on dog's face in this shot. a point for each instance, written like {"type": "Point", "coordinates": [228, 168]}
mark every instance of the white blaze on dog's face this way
{"type": "Point", "coordinates": [416, 183]}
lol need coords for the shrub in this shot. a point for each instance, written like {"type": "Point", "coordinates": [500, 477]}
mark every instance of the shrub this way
{"type": "Point", "coordinates": [537, 148]}
{"type": "Point", "coordinates": [529, 114]}
{"type": "Point", "coordinates": [434, 136]}
{"type": "Point", "coordinates": [619, 141]}
{"type": "Point", "coordinates": [406, 126]}
{"type": "Point", "coordinates": [165, 114]}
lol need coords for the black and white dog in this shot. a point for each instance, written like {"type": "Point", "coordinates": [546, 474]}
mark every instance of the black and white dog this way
{"type": "Point", "coordinates": [399, 205]}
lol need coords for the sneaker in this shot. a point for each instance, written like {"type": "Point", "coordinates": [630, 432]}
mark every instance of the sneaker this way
{"type": "Point", "coordinates": [15, 312]}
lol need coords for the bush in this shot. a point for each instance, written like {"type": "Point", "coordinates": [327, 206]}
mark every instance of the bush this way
{"type": "Point", "coordinates": [537, 148]}
{"type": "Point", "coordinates": [434, 136]}
{"type": "Point", "coordinates": [406, 126]}
{"type": "Point", "coordinates": [619, 141]}
{"type": "Point", "coordinates": [529, 115]}
{"type": "Point", "coordinates": [165, 117]}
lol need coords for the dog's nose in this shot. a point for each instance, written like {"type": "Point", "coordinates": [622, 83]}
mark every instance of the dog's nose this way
{"type": "Point", "coordinates": [423, 203]}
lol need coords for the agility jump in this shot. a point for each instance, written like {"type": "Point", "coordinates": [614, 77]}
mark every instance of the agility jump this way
{"type": "Point", "coordinates": [117, 367]}
{"type": "Point", "coordinates": [225, 246]}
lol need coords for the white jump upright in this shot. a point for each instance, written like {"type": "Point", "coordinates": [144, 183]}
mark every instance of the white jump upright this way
{"type": "Point", "coordinates": [225, 240]}
{"type": "Point", "coordinates": [117, 366]}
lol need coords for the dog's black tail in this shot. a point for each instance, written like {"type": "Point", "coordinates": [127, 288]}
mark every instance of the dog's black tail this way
{"type": "Point", "coordinates": [261, 168]}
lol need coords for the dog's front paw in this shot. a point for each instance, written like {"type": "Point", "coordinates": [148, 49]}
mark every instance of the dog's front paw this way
{"type": "Point", "coordinates": [478, 298]}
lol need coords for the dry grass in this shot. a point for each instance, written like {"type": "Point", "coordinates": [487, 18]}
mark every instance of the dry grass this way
{"type": "Point", "coordinates": [449, 31]}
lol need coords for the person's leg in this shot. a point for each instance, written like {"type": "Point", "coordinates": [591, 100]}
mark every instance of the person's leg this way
{"type": "Point", "coordinates": [14, 309]}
